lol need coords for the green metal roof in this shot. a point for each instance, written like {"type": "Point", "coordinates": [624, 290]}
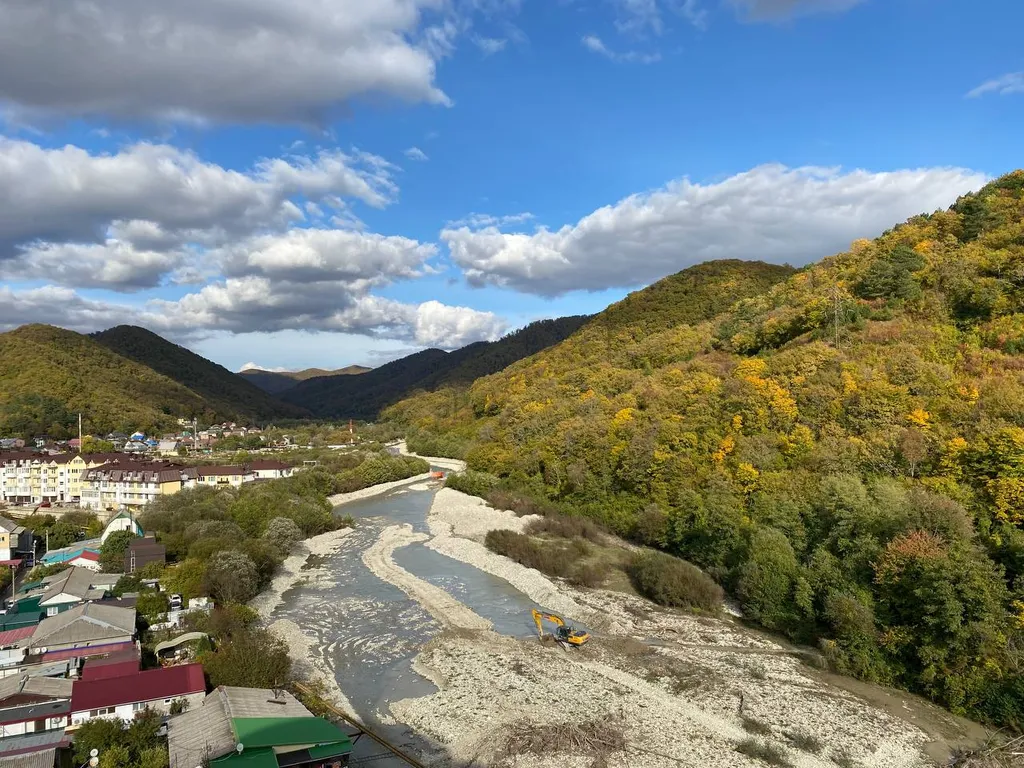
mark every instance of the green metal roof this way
{"type": "Point", "coordinates": [258, 732]}
{"type": "Point", "coordinates": [330, 750]}
{"type": "Point", "coordinates": [250, 758]}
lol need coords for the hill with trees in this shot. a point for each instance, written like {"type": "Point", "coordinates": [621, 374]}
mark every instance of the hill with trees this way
{"type": "Point", "coordinates": [842, 450]}
{"type": "Point", "coordinates": [276, 382]}
{"type": "Point", "coordinates": [364, 396]}
{"type": "Point", "coordinates": [48, 375]}
{"type": "Point", "coordinates": [223, 392]}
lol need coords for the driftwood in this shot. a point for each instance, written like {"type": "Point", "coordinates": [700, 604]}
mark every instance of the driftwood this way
{"type": "Point", "coordinates": [1001, 754]}
{"type": "Point", "coordinates": [597, 739]}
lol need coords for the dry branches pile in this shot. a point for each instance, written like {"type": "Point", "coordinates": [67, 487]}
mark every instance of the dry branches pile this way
{"type": "Point", "coordinates": [1009, 754]}
{"type": "Point", "coordinates": [593, 738]}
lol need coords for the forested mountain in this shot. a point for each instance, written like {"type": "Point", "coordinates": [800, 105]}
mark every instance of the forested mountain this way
{"type": "Point", "coordinates": [222, 391]}
{"type": "Point", "coordinates": [365, 395]}
{"type": "Point", "coordinates": [48, 375]}
{"type": "Point", "coordinates": [843, 450]}
{"type": "Point", "coordinates": [276, 382]}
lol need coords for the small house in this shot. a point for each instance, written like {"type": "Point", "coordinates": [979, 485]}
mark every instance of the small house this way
{"type": "Point", "coordinates": [124, 696]}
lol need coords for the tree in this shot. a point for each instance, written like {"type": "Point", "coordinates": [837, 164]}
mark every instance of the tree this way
{"type": "Point", "coordinates": [251, 658]}
{"type": "Point", "coordinates": [113, 551]}
{"type": "Point", "coordinates": [92, 444]}
{"type": "Point", "coordinates": [283, 534]}
{"type": "Point", "coordinates": [63, 534]}
{"type": "Point", "coordinates": [232, 577]}
{"type": "Point", "coordinates": [98, 733]}
{"type": "Point", "coordinates": [187, 578]}
{"type": "Point", "coordinates": [767, 578]}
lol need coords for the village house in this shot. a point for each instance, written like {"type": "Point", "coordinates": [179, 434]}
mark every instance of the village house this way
{"type": "Point", "coordinates": [126, 695]}
{"type": "Point", "coordinates": [90, 625]}
{"type": "Point", "coordinates": [33, 704]}
{"type": "Point", "coordinates": [16, 542]}
{"type": "Point", "coordinates": [271, 470]}
{"type": "Point", "coordinates": [143, 551]}
{"type": "Point", "coordinates": [272, 727]}
{"type": "Point", "coordinates": [218, 476]}
{"type": "Point", "coordinates": [62, 591]}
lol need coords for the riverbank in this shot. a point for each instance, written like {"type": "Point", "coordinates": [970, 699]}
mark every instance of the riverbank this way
{"type": "Point", "coordinates": [375, 490]}
{"type": "Point", "coordinates": [679, 688]}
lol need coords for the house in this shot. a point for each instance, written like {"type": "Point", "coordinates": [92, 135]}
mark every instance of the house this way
{"type": "Point", "coordinates": [16, 541]}
{"type": "Point", "coordinates": [87, 558]}
{"type": "Point", "coordinates": [12, 654]}
{"type": "Point", "coordinates": [168, 447]}
{"type": "Point", "coordinates": [129, 485]}
{"type": "Point", "coordinates": [143, 551]}
{"type": "Point", "coordinates": [218, 476]}
{"type": "Point", "coordinates": [123, 696]}
{"type": "Point", "coordinates": [90, 625]}
{"type": "Point", "coordinates": [272, 727]}
{"type": "Point", "coordinates": [67, 554]}
{"type": "Point", "coordinates": [33, 704]}
{"type": "Point", "coordinates": [271, 470]}
{"type": "Point", "coordinates": [61, 591]}
{"type": "Point", "coordinates": [33, 750]}
{"type": "Point", "coordinates": [123, 521]}
{"type": "Point", "coordinates": [118, 664]}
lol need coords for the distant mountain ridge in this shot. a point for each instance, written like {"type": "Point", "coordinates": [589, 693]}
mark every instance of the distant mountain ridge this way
{"type": "Point", "coordinates": [276, 382]}
{"type": "Point", "coordinates": [365, 395]}
{"type": "Point", "coordinates": [221, 390]}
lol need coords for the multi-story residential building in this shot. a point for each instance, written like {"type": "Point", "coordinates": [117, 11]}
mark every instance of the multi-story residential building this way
{"type": "Point", "coordinates": [129, 485]}
{"type": "Point", "coordinates": [30, 477]}
{"type": "Point", "coordinates": [218, 476]}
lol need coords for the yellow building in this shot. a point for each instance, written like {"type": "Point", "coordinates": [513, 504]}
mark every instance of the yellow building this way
{"type": "Point", "coordinates": [127, 485]}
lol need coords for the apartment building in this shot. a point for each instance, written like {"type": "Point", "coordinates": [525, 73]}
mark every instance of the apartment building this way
{"type": "Point", "coordinates": [30, 477]}
{"type": "Point", "coordinates": [218, 476]}
{"type": "Point", "coordinates": [129, 485]}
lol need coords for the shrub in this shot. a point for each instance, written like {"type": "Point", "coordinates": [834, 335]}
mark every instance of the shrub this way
{"type": "Point", "coordinates": [520, 503]}
{"type": "Point", "coordinates": [808, 742]}
{"type": "Point", "coordinates": [590, 575]}
{"type": "Point", "coordinates": [283, 534]}
{"type": "Point", "coordinates": [756, 727]}
{"type": "Point", "coordinates": [526, 551]}
{"type": "Point", "coordinates": [566, 527]}
{"type": "Point", "coordinates": [473, 483]}
{"type": "Point", "coordinates": [763, 750]}
{"type": "Point", "coordinates": [673, 582]}
{"type": "Point", "coordinates": [231, 577]}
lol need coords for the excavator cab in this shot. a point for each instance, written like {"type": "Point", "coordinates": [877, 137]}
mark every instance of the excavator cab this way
{"type": "Point", "coordinates": [567, 636]}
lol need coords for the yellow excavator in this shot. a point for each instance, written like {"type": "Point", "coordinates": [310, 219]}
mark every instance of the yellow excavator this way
{"type": "Point", "coordinates": [567, 636]}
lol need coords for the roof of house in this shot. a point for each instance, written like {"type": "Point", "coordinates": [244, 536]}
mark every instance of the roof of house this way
{"type": "Point", "coordinates": [88, 554]}
{"type": "Point", "coordinates": [86, 623]}
{"type": "Point", "coordinates": [12, 636]}
{"type": "Point", "coordinates": [44, 687]}
{"type": "Point", "coordinates": [64, 554]}
{"type": "Point", "coordinates": [30, 745]}
{"type": "Point", "coordinates": [151, 685]}
{"type": "Point", "coordinates": [221, 471]}
{"type": "Point", "coordinates": [117, 664]}
{"type": "Point", "coordinates": [75, 581]}
{"type": "Point", "coordinates": [55, 657]}
{"type": "Point", "coordinates": [145, 471]}
{"type": "Point", "coordinates": [8, 525]}
{"type": "Point", "coordinates": [207, 729]}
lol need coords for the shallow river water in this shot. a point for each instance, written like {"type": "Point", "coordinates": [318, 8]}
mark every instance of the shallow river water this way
{"type": "Point", "coordinates": [367, 632]}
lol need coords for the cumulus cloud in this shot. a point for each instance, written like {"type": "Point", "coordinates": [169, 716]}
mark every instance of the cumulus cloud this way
{"type": "Point", "coordinates": [1002, 86]}
{"type": "Point", "coordinates": [123, 220]}
{"type": "Point", "coordinates": [774, 10]}
{"type": "Point", "coordinates": [594, 44]}
{"type": "Point", "coordinates": [772, 213]}
{"type": "Point", "coordinates": [415, 153]}
{"type": "Point", "coordinates": [291, 61]}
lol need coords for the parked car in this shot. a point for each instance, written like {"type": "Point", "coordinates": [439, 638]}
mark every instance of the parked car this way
{"type": "Point", "coordinates": [175, 602]}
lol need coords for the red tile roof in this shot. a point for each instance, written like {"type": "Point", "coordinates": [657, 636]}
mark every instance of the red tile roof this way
{"type": "Point", "coordinates": [269, 465]}
{"type": "Point", "coordinates": [151, 685]}
{"type": "Point", "coordinates": [123, 667]}
{"type": "Point", "coordinates": [11, 636]}
{"type": "Point", "coordinates": [87, 554]}
{"type": "Point", "coordinates": [76, 653]}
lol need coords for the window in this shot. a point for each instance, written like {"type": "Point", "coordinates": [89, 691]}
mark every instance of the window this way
{"type": "Point", "coordinates": [52, 610]}
{"type": "Point", "coordinates": [101, 711]}
{"type": "Point", "coordinates": [138, 706]}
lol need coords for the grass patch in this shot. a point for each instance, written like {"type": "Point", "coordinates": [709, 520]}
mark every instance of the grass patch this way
{"type": "Point", "coordinates": [673, 582]}
{"type": "Point", "coordinates": [591, 574]}
{"type": "Point", "coordinates": [807, 742]}
{"type": "Point", "coordinates": [519, 503]}
{"type": "Point", "coordinates": [567, 528]}
{"type": "Point", "coordinates": [758, 671]}
{"type": "Point", "coordinates": [764, 751]}
{"type": "Point", "coordinates": [552, 559]}
{"type": "Point", "coordinates": [756, 727]}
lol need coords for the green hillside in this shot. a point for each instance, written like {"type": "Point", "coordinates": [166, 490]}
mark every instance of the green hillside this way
{"type": "Point", "coordinates": [365, 395]}
{"type": "Point", "coordinates": [48, 375]}
{"type": "Point", "coordinates": [276, 382]}
{"type": "Point", "coordinates": [844, 451]}
{"type": "Point", "coordinates": [225, 393]}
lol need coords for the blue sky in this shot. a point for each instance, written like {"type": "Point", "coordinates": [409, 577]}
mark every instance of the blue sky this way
{"type": "Point", "coordinates": [308, 183]}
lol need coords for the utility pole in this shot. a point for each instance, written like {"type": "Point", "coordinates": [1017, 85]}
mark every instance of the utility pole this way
{"type": "Point", "coordinates": [79, 432]}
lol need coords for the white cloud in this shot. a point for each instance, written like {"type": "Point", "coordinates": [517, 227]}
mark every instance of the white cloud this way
{"type": "Point", "coordinates": [774, 10]}
{"type": "Point", "coordinates": [1003, 86]}
{"type": "Point", "coordinates": [251, 366]}
{"type": "Point", "coordinates": [771, 212]}
{"type": "Point", "coordinates": [123, 220]}
{"type": "Point", "coordinates": [594, 44]}
{"type": "Point", "coordinates": [638, 16]}
{"type": "Point", "coordinates": [490, 45]}
{"type": "Point", "coordinates": [415, 153]}
{"type": "Point", "coordinates": [219, 60]}
{"type": "Point", "coordinates": [481, 220]}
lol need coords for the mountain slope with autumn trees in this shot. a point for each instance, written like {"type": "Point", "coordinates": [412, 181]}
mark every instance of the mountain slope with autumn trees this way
{"type": "Point", "coordinates": [844, 450]}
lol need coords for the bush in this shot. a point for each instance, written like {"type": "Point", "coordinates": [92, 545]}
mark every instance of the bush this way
{"type": "Point", "coordinates": [567, 527]}
{"type": "Point", "coordinates": [673, 582]}
{"type": "Point", "coordinates": [589, 574]}
{"type": "Point", "coordinates": [526, 551]}
{"type": "Point", "coordinates": [283, 534]}
{"type": "Point", "coordinates": [520, 503]}
{"type": "Point", "coordinates": [231, 577]}
{"type": "Point", "coordinates": [474, 483]}
{"type": "Point", "coordinates": [249, 658]}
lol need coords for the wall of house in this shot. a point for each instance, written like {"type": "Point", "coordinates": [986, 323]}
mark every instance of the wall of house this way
{"type": "Point", "coordinates": [32, 726]}
{"type": "Point", "coordinates": [128, 711]}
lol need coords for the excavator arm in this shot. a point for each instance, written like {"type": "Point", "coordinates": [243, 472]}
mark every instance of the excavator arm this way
{"type": "Point", "coordinates": [565, 634]}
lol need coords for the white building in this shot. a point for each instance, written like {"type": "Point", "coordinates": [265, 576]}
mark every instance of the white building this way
{"type": "Point", "coordinates": [123, 697]}
{"type": "Point", "coordinates": [271, 470]}
{"type": "Point", "coordinates": [33, 704]}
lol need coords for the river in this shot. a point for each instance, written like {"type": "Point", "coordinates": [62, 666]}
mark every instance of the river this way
{"type": "Point", "coordinates": [366, 632]}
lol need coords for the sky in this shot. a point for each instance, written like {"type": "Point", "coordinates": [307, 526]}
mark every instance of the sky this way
{"type": "Point", "coordinates": [298, 183]}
